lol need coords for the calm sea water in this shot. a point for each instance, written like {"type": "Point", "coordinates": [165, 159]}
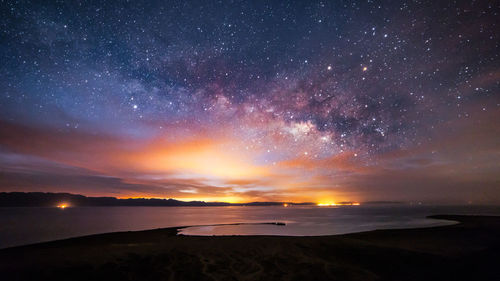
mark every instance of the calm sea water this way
{"type": "Point", "coordinates": [19, 226]}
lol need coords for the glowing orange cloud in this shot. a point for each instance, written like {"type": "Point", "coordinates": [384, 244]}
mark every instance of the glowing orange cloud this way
{"type": "Point", "coordinates": [202, 157]}
{"type": "Point", "coordinates": [209, 167]}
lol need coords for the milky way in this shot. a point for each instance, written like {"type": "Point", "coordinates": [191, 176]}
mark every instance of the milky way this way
{"type": "Point", "coordinates": [249, 100]}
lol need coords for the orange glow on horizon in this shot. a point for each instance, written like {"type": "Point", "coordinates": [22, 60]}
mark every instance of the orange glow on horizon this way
{"type": "Point", "coordinates": [222, 199]}
{"type": "Point", "coordinates": [339, 204]}
{"type": "Point", "coordinates": [63, 206]}
{"type": "Point", "coordinates": [326, 204]}
{"type": "Point", "coordinates": [216, 167]}
{"type": "Point", "coordinates": [241, 198]}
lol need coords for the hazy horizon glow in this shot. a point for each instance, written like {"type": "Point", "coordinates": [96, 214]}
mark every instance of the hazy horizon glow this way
{"type": "Point", "coordinates": [306, 102]}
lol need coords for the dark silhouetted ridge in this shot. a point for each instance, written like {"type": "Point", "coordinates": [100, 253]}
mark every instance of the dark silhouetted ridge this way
{"type": "Point", "coordinates": [42, 199]}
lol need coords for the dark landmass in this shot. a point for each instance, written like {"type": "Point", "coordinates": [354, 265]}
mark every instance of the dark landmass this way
{"type": "Point", "coordinates": [42, 199]}
{"type": "Point", "coordinates": [469, 250]}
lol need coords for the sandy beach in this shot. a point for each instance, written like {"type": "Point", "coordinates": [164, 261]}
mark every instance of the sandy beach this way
{"type": "Point", "coordinates": [468, 250]}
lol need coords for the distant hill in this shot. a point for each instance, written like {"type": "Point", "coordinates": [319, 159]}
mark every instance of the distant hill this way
{"type": "Point", "coordinates": [42, 199]}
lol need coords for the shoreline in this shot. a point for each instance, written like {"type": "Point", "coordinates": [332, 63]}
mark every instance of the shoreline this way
{"type": "Point", "coordinates": [468, 250]}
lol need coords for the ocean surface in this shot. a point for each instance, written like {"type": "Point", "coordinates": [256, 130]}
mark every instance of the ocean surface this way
{"type": "Point", "coordinates": [20, 226]}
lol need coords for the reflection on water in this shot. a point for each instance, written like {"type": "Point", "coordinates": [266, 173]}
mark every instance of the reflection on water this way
{"type": "Point", "coordinates": [30, 225]}
{"type": "Point", "coordinates": [322, 221]}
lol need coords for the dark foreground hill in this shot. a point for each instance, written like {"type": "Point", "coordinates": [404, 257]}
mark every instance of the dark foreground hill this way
{"type": "Point", "coordinates": [466, 251]}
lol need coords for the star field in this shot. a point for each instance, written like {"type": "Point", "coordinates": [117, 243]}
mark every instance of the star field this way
{"type": "Point", "coordinates": [310, 98]}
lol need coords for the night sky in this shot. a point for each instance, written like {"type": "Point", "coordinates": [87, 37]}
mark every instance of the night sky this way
{"type": "Point", "coordinates": [252, 101]}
